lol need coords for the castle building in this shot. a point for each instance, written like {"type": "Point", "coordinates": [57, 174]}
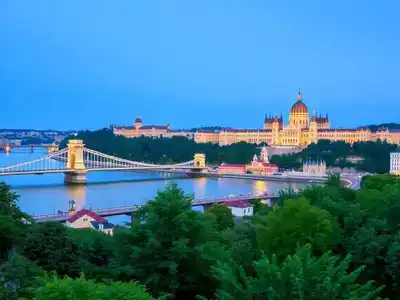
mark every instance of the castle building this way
{"type": "Point", "coordinates": [300, 131]}
{"type": "Point", "coordinates": [314, 168]}
{"type": "Point", "coordinates": [154, 131]}
{"type": "Point", "coordinates": [395, 163]}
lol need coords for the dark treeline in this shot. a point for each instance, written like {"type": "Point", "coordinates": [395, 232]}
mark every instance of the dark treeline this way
{"type": "Point", "coordinates": [327, 242]}
{"type": "Point", "coordinates": [375, 155]}
{"type": "Point", "coordinates": [164, 150]}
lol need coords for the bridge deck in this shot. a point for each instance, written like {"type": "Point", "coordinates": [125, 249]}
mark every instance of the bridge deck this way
{"type": "Point", "coordinates": [123, 210]}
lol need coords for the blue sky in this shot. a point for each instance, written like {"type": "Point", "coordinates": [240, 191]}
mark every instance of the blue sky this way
{"type": "Point", "coordinates": [85, 64]}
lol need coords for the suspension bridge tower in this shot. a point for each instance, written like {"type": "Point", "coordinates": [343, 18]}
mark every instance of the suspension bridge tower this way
{"type": "Point", "coordinates": [75, 163]}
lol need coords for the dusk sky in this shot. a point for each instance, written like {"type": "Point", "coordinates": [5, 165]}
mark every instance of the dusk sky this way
{"type": "Point", "coordinates": [87, 64]}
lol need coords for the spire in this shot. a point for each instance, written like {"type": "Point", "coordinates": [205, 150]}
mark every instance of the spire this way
{"type": "Point", "coordinates": [299, 95]}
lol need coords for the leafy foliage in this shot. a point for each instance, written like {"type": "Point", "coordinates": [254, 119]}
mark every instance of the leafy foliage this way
{"type": "Point", "coordinates": [50, 247]}
{"type": "Point", "coordinates": [81, 289]}
{"type": "Point", "coordinates": [12, 220]}
{"type": "Point", "coordinates": [170, 248]}
{"type": "Point", "coordinates": [294, 224]}
{"type": "Point", "coordinates": [18, 278]}
{"type": "Point", "coordinates": [222, 215]}
{"type": "Point", "coordinates": [300, 276]}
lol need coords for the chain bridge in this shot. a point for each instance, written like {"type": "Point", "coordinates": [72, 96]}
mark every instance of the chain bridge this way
{"type": "Point", "coordinates": [76, 160]}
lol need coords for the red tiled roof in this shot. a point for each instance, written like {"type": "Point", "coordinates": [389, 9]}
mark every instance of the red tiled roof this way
{"type": "Point", "coordinates": [238, 203]}
{"type": "Point", "coordinates": [83, 212]}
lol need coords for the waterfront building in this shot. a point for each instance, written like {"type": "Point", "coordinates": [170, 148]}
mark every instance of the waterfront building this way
{"type": "Point", "coordinates": [260, 165]}
{"type": "Point", "coordinates": [314, 168]}
{"type": "Point", "coordinates": [155, 131]}
{"type": "Point", "coordinates": [232, 169]}
{"type": "Point", "coordinates": [240, 208]}
{"type": "Point", "coordinates": [301, 130]}
{"type": "Point", "coordinates": [395, 163]}
{"type": "Point", "coordinates": [88, 219]}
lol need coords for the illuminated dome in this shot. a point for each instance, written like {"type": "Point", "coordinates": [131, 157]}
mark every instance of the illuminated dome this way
{"type": "Point", "coordinates": [138, 120]}
{"type": "Point", "coordinates": [299, 106]}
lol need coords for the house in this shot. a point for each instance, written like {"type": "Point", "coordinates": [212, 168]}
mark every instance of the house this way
{"type": "Point", "coordinates": [240, 208]}
{"type": "Point", "coordinates": [88, 219]}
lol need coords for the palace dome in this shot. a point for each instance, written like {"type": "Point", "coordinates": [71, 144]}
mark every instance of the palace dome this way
{"type": "Point", "coordinates": [138, 120]}
{"type": "Point", "coordinates": [299, 106]}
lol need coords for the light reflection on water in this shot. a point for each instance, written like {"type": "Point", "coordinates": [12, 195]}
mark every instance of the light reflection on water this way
{"type": "Point", "coordinates": [45, 194]}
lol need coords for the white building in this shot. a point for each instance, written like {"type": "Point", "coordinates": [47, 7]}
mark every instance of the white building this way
{"type": "Point", "coordinates": [240, 208]}
{"type": "Point", "coordinates": [395, 163]}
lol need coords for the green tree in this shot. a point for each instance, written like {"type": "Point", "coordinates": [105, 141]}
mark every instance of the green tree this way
{"type": "Point", "coordinates": [299, 276]}
{"type": "Point", "coordinates": [12, 220]}
{"type": "Point", "coordinates": [221, 215]}
{"type": "Point", "coordinates": [81, 289]}
{"type": "Point", "coordinates": [296, 223]}
{"type": "Point", "coordinates": [97, 253]}
{"type": "Point", "coordinates": [50, 247]}
{"type": "Point", "coordinates": [170, 247]}
{"type": "Point", "coordinates": [18, 278]}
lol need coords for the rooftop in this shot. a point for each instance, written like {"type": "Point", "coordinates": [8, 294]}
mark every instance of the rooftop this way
{"type": "Point", "coordinates": [239, 204]}
{"type": "Point", "coordinates": [87, 212]}
{"type": "Point", "coordinates": [106, 225]}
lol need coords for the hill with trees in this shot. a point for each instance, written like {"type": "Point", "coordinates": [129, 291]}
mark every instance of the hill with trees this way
{"type": "Point", "coordinates": [326, 242]}
{"type": "Point", "coordinates": [164, 150]}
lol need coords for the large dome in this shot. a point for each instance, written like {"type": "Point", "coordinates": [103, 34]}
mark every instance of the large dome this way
{"type": "Point", "coordinates": [299, 106]}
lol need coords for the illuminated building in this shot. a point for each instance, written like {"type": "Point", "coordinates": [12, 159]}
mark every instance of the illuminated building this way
{"type": "Point", "coordinates": [259, 165]}
{"type": "Point", "coordinates": [395, 163]}
{"type": "Point", "coordinates": [313, 168]}
{"type": "Point", "coordinates": [155, 131]}
{"type": "Point", "coordinates": [300, 131]}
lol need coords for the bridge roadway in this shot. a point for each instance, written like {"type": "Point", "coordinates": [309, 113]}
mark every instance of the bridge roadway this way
{"type": "Point", "coordinates": [127, 210]}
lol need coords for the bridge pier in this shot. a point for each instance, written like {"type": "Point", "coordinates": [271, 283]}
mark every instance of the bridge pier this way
{"type": "Point", "coordinates": [76, 177]}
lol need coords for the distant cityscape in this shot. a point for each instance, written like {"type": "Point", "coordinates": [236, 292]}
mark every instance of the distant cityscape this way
{"type": "Point", "coordinates": [31, 136]}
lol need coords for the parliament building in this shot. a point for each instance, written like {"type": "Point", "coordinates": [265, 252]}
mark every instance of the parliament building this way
{"type": "Point", "coordinates": [299, 132]}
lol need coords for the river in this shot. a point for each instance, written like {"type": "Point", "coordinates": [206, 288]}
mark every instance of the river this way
{"type": "Point", "coordinates": [45, 194]}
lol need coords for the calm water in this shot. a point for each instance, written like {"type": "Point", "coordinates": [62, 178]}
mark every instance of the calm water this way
{"type": "Point", "coordinates": [45, 194]}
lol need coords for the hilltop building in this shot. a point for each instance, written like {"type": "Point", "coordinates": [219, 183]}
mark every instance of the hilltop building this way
{"type": "Point", "coordinates": [155, 131]}
{"type": "Point", "coordinates": [314, 168]}
{"type": "Point", "coordinates": [395, 163]}
{"type": "Point", "coordinates": [88, 219]}
{"type": "Point", "coordinates": [299, 132]}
